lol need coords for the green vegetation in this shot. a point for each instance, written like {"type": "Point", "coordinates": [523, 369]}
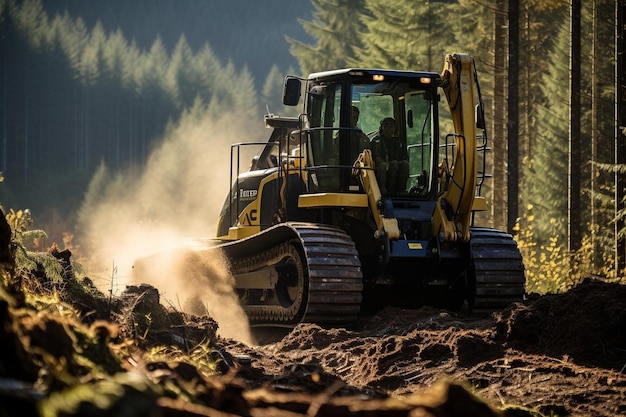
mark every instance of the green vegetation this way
{"type": "Point", "coordinates": [28, 261]}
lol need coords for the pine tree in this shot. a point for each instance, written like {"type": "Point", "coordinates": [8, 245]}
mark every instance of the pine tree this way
{"type": "Point", "coordinates": [180, 76]}
{"type": "Point", "coordinates": [246, 103]}
{"type": "Point", "coordinates": [547, 179]}
{"type": "Point", "coordinates": [403, 34]}
{"type": "Point", "coordinates": [271, 93]}
{"type": "Point", "coordinates": [116, 86]}
{"type": "Point", "coordinates": [90, 68]}
{"type": "Point", "coordinates": [336, 27]}
{"type": "Point", "coordinates": [205, 67]}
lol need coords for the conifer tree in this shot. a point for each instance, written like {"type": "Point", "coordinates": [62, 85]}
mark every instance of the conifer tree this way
{"type": "Point", "coordinates": [245, 100]}
{"type": "Point", "coordinates": [115, 55]}
{"type": "Point", "coordinates": [205, 67]}
{"type": "Point", "coordinates": [336, 28]}
{"type": "Point", "coordinates": [32, 19]}
{"type": "Point", "coordinates": [72, 36]}
{"type": "Point", "coordinates": [156, 103]}
{"type": "Point", "coordinates": [403, 34]}
{"type": "Point", "coordinates": [154, 68]}
{"type": "Point", "coordinates": [538, 33]}
{"type": "Point", "coordinates": [90, 66]}
{"type": "Point", "coordinates": [271, 92]}
{"type": "Point", "coordinates": [546, 183]}
{"type": "Point", "coordinates": [91, 61]}
{"type": "Point", "coordinates": [116, 85]}
{"type": "Point", "coordinates": [180, 76]}
{"type": "Point", "coordinates": [222, 95]}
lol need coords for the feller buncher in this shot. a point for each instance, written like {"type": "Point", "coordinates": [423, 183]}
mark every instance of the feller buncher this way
{"type": "Point", "coordinates": [308, 233]}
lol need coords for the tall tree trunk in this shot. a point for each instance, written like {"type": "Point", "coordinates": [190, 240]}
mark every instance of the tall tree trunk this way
{"type": "Point", "coordinates": [574, 216]}
{"type": "Point", "coordinates": [513, 117]}
{"type": "Point", "coordinates": [620, 128]}
{"type": "Point", "coordinates": [26, 121]}
{"type": "Point", "coordinates": [5, 84]}
{"type": "Point", "coordinates": [499, 143]}
{"type": "Point", "coordinates": [528, 138]}
{"type": "Point", "coordinates": [594, 134]}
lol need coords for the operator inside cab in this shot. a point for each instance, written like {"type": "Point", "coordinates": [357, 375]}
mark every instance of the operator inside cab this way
{"type": "Point", "coordinates": [391, 160]}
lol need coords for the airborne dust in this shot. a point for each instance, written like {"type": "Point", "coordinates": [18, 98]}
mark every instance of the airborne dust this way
{"type": "Point", "coordinates": [177, 196]}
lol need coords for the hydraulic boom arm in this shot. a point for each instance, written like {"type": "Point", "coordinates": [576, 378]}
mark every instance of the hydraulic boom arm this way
{"type": "Point", "coordinates": [453, 213]}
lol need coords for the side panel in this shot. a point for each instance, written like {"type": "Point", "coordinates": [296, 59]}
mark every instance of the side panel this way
{"type": "Point", "coordinates": [241, 207]}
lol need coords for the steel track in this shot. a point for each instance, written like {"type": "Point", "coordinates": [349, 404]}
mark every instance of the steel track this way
{"type": "Point", "coordinates": [498, 269]}
{"type": "Point", "coordinates": [328, 287]}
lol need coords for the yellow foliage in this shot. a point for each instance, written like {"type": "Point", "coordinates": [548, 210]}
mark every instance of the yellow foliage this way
{"type": "Point", "coordinates": [551, 268]}
{"type": "Point", "coordinates": [19, 220]}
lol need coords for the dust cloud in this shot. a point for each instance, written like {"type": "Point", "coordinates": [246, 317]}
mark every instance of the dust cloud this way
{"type": "Point", "coordinates": [177, 196]}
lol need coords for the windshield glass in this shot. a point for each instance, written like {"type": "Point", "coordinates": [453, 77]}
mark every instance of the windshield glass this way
{"type": "Point", "coordinates": [397, 116]}
{"type": "Point", "coordinates": [394, 119]}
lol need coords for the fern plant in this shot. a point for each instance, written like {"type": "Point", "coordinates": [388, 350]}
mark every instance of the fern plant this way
{"type": "Point", "coordinates": [27, 261]}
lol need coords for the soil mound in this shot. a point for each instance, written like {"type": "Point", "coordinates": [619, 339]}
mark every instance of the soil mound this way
{"type": "Point", "coordinates": [587, 324]}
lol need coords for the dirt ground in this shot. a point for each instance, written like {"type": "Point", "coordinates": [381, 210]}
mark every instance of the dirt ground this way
{"type": "Point", "coordinates": [559, 355]}
{"type": "Point", "coordinates": [552, 355]}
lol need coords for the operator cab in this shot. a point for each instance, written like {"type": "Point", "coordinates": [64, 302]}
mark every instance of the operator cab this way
{"type": "Point", "coordinates": [333, 141]}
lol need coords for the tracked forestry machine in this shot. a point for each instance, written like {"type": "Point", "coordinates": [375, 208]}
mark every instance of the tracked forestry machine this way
{"type": "Point", "coordinates": [321, 228]}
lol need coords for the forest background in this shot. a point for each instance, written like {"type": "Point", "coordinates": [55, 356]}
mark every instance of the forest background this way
{"type": "Point", "coordinates": [117, 116]}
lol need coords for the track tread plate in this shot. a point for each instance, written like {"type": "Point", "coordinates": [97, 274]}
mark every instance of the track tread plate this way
{"type": "Point", "coordinates": [499, 269]}
{"type": "Point", "coordinates": [335, 281]}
